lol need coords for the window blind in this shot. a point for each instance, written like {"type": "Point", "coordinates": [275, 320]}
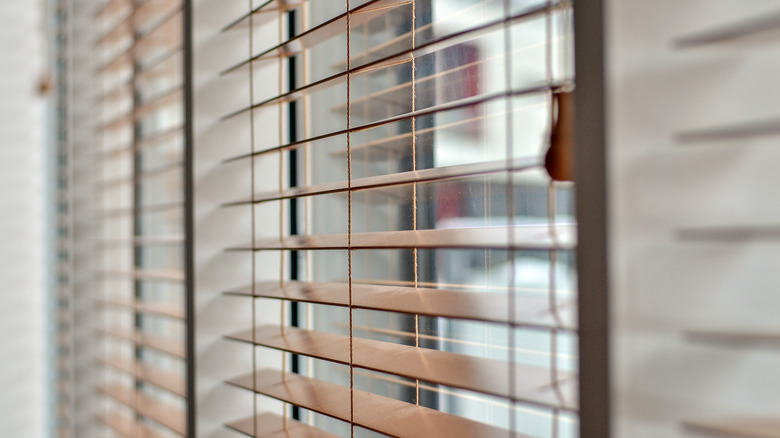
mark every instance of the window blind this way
{"type": "Point", "coordinates": [399, 214]}
{"type": "Point", "coordinates": [138, 191]}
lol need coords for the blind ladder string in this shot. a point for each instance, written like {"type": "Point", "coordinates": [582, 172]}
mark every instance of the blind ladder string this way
{"type": "Point", "coordinates": [510, 209]}
{"type": "Point", "coordinates": [414, 188]}
{"type": "Point", "coordinates": [553, 304]}
{"type": "Point", "coordinates": [253, 274]}
{"type": "Point", "coordinates": [283, 304]}
{"type": "Point", "coordinates": [307, 182]}
{"type": "Point", "coordinates": [551, 193]}
{"type": "Point", "coordinates": [486, 208]}
{"type": "Point", "coordinates": [551, 222]}
{"type": "Point", "coordinates": [135, 189]}
{"type": "Point", "coordinates": [349, 227]}
{"type": "Point", "coordinates": [551, 217]}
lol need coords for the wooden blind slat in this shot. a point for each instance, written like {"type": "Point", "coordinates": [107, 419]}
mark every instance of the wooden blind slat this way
{"type": "Point", "coordinates": [525, 237]}
{"type": "Point", "coordinates": [121, 89]}
{"type": "Point", "coordinates": [128, 427]}
{"type": "Point", "coordinates": [153, 103]}
{"type": "Point", "coordinates": [111, 7]}
{"type": "Point", "coordinates": [156, 11]}
{"type": "Point", "coordinates": [160, 309]}
{"type": "Point", "coordinates": [391, 147]}
{"type": "Point", "coordinates": [165, 64]}
{"type": "Point", "coordinates": [533, 384]}
{"type": "Point", "coordinates": [140, 241]}
{"type": "Point", "coordinates": [170, 28]}
{"type": "Point", "coordinates": [162, 134]}
{"type": "Point", "coordinates": [165, 34]}
{"type": "Point", "coordinates": [152, 208]}
{"type": "Point", "coordinates": [149, 104]}
{"type": "Point", "coordinates": [448, 106]}
{"type": "Point", "coordinates": [151, 408]}
{"type": "Point", "coordinates": [396, 146]}
{"type": "Point", "coordinates": [147, 274]}
{"type": "Point", "coordinates": [530, 311]}
{"type": "Point", "coordinates": [263, 10]}
{"type": "Point", "coordinates": [173, 347]}
{"type": "Point", "coordinates": [358, 15]}
{"type": "Point", "coordinates": [374, 412]}
{"type": "Point", "coordinates": [402, 56]}
{"type": "Point", "coordinates": [331, 28]}
{"type": "Point", "coordinates": [273, 426]}
{"type": "Point", "coordinates": [140, 176]}
{"type": "Point", "coordinates": [394, 179]}
{"type": "Point", "coordinates": [170, 381]}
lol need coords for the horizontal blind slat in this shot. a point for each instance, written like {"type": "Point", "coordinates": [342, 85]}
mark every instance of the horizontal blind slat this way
{"type": "Point", "coordinates": [121, 89]}
{"type": "Point", "coordinates": [139, 176]}
{"type": "Point", "coordinates": [400, 143]}
{"type": "Point", "coordinates": [374, 412]}
{"type": "Point", "coordinates": [153, 103]}
{"type": "Point", "coordinates": [172, 347]}
{"type": "Point", "coordinates": [264, 9]}
{"type": "Point", "coordinates": [448, 106]}
{"type": "Point", "coordinates": [167, 380]}
{"type": "Point", "coordinates": [146, 274]}
{"type": "Point", "coordinates": [144, 209]}
{"type": "Point", "coordinates": [393, 179]}
{"type": "Point", "coordinates": [530, 237]}
{"type": "Point", "coordinates": [530, 311]}
{"type": "Point", "coordinates": [172, 94]}
{"type": "Point", "coordinates": [403, 56]}
{"type": "Point", "coordinates": [159, 66]}
{"type": "Point", "coordinates": [533, 384]}
{"type": "Point", "coordinates": [419, 50]}
{"type": "Point", "coordinates": [151, 408]}
{"type": "Point", "coordinates": [165, 133]}
{"type": "Point", "coordinates": [152, 69]}
{"type": "Point", "coordinates": [358, 15]}
{"type": "Point", "coordinates": [111, 7]}
{"type": "Point", "coordinates": [142, 43]}
{"type": "Point", "coordinates": [140, 241]}
{"type": "Point", "coordinates": [164, 32]}
{"type": "Point", "coordinates": [151, 308]}
{"type": "Point", "coordinates": [143, 13]}
{"type": "Point", "coordinates": [128, 427]}
{"type": "Point", "coordinates": [273, 426]}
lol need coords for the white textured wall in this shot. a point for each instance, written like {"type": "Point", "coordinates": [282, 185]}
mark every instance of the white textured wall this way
{"type": "Point", "coordinates": [22, 215]}
{"type": "Point", "coordinates": [666, 286]}
{"type": "Point", "coordinates": [218, 228]}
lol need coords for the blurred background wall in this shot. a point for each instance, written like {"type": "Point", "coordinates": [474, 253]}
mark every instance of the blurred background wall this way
{"type": "Point", "coordinates": [23, 213]}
